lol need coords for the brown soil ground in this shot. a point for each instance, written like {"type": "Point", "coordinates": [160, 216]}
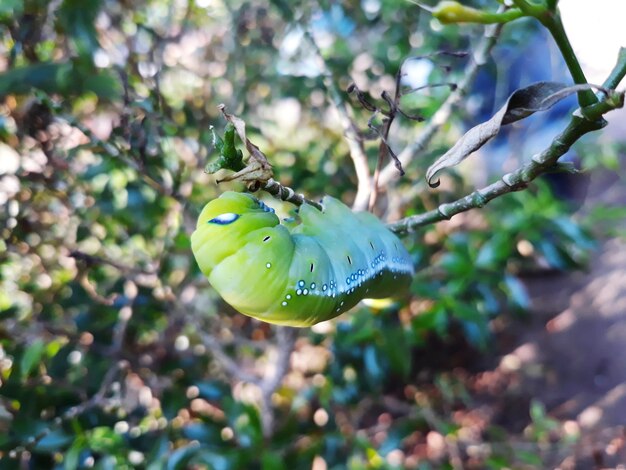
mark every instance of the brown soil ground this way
{"type": "Point", "coordinates": [570, 353]}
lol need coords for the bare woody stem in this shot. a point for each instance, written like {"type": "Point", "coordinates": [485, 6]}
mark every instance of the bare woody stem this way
{"type": "Point", "coordinates": [583, 121]}
{"type": "Point", "coordinates": [350, 130]}
{"type": "Point", "coordinates": [285, 343]}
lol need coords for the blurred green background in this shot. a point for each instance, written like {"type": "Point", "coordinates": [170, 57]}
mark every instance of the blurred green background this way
{"type": "Point", "coordinates": [114, 350]}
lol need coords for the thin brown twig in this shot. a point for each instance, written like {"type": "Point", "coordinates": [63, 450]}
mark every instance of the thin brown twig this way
{"type": "Point", "coordinates": [214, 346]}
{"type": "Point", "coordinates": [479, 58]}
{"type": "Point", "coordinates": [114, 149]}
{"type": "Point", "coordinates": [92, 260]}
{"type": "Point", "coordinates": [92, 292]}
{"type": "Point", "coordinates": [121, 325]}
{"type": "Point", "coordinates": [97, 400]}
{"type": "Point", "coordinates": [383, 148]}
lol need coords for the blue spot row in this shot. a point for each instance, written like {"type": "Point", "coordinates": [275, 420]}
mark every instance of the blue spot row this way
{"type": "Point", "coordinates": [265, 207]}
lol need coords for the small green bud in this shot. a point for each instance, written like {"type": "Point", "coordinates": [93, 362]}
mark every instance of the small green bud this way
{"type": "Point", "coordinates": [454, 12]}
{"type": "Point", "coordinates": [230, 157]}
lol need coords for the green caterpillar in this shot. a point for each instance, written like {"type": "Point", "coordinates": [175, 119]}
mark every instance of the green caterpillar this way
{"type": "Point", "coordinates": [300, 274]}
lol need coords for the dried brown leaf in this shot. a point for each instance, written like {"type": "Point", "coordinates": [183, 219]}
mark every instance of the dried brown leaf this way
{"type": "Point", "coordinates": [521, 104]}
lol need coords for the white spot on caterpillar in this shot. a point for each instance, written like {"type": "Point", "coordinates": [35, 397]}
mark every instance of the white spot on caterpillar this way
{"type": "Point", "coordinates": [305, 291]}
{"type": "Point", "coordinates": [324, 287]}
{"type": "Point", "coordinates": [299, 292]}
{"type": "Point", "coordinates": [301, 283]}
{"type": "Point", "coordinates": [268, 265]}
{"type": "Point", "coordinates": [284, 304]}
{"type": "Point", "coordinates": [288, 296]}
{"type": "Point", "coordinates": [312, 285]}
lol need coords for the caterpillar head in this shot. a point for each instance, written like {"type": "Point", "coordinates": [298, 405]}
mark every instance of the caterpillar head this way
{"type": "Point", "coordinates": [224, 224]}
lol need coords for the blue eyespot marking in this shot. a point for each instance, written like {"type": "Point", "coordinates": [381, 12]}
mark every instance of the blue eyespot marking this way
{"type": "Point", "coordinates": [224, 219]}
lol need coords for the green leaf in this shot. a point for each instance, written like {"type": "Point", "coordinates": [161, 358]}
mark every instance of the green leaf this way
{"type": "Point", "coordinates": [181, 457]}
{"type": "Point", "coordinates": [71, 458]}
{"type": "Point", "coordinates": [495, 251]}
{"type": "Point", "coordinates": [31, 358]}
{"type": "Point", "coordinates": [373, 364]}
{"type": "Point", "coordinates": [552, 254]}
{"type": "Point", "coordinates": [395, 349]}
{"type": "Point", "coordinates": [573, 231]}
{"type": "Point", "coordinates": [530, 458]}
{"type": "Point", "coordinates": [435, 319]}
{"type": "Point", "coordinates": [64, 78]}
{"type": "Point", "coordinates": [217, 461]}
{"type": "Point", "coordinates": [54, 441]}
{"type": "Point", "coordinates": [517, 292]}
{"type": "Point", "coordinates": [212, 389]}
{"type": "Point", "coordinates": [455, 263]}
{"type": "Point", "coordinates": [104, 439]}
{"type": "Point", "coordinates": [537, 411]}
{"type": "Point", "coordinates": [230, 158]}
{"type": "Point", "coordinates": [10, 463]}
{"type": "Point", "coordinates": [10, 8]}
{"type": "Point", "coordinates": [272, 461]}
{"type": "Point", "coordinates": [474, 323]}
{"type": "Point", "coordinates": [77, 17]}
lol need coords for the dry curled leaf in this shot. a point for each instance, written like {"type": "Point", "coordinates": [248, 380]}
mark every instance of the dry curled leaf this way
{"type": "Point", "coordinates": [258, 170]}
{"type": "Point", "coordinates": [522, 103]}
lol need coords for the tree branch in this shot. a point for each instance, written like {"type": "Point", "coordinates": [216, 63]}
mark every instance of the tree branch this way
{"type": "Point", "coordinates": [583, 121]}
{"type": "Point", "coordinates": [285, 342]}
{"type": "Point", "coordinates": [285, 193]}
{"type": "Point", "coordinates": [214, 346]}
